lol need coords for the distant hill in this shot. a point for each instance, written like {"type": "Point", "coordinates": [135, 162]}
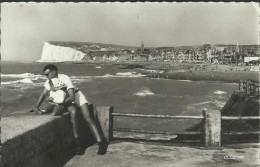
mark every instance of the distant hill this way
{"type": "Point", "coordinates": [80, 44]}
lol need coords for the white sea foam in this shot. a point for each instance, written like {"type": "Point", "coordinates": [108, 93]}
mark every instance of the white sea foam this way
{"type": "Point", "coordinates": [145, 92]}
{"type": "Point", "coordinates": [98, 66]}
{"type": "Point", "coordinates": [176, 71]}
{"type": "Point", "coordinates": [24, 75]}
{"type": "Point", "coordinates": [29, 78]}
{"type": "Point", "coordinates": [154, 71]}
{"type": "Point", "coordinates": [202, 103]}
{"type": "Point", "coordinates": [125, 73]}
{"type": "Point", "coordinates": [220, 104]}
{"type": "Point", "coordinates": [25, 80]}
{"type": "Point", "coordinates": [128, 74]}
{"type": "Point", "coordinates": [219, 92]}
{"type": "Point", "coordinates": [185, 80]}
{"type": "Point", "coordinates": [206, 104]}
{"type": "Point", "coordinates": [108, 75]}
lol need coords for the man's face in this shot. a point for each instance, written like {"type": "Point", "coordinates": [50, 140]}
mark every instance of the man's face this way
{"type": "Point", "coordinates": [49, 73]}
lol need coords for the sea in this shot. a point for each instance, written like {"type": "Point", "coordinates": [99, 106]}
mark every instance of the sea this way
{"type": "Point", "coordinates": [126, 89]}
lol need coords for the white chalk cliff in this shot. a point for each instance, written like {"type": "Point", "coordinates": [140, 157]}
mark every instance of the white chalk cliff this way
{"type": "Point", "coordinates": [54, 53]}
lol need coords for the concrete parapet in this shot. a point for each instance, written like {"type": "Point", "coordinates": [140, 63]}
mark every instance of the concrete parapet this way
{"type": "Point", "coordinates": [43, 140]}
{"type": "Point", "coordinates": [31, 140]}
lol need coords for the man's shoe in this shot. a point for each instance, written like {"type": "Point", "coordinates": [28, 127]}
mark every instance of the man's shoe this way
{"type": "Point", "coordinates": [102, 148]}
{"type": "Point", "coordinates": [79, 150]}
{"type": "Point", "coordinates": [39, 112]}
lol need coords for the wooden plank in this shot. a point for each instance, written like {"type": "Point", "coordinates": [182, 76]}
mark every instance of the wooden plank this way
{"type": "Point", "coordinates": [242, 133]}
{"type": "Point", "coordinates": [156, 132]}
{"type": "Point", "coordinates": [158, 116]}
{"type": "Point", "coordinates": [240, 117]}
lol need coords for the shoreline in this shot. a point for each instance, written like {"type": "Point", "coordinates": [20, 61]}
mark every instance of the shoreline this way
{"type": "Point", "coordinates": [229, 77]}
{"type": "Point", "coordinates": [196, 72]}
{"type": "Point", "coordinates": [185, 71]}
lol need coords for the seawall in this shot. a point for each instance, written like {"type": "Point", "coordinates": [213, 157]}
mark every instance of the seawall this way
{"type": "Point", "coordinates": [42, 140]}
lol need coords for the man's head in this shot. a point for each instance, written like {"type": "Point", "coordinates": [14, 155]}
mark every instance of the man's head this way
{"type": "Point", "coordinates": [50, 71]}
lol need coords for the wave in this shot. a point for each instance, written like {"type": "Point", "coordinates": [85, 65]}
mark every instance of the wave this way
{"type": "Point", "coordinates": [29, 78]}
{"type": "Point", "coordinates": [25, 80]}
{"type": "Point", "coordinates": [24, 75]}
{"type": "Point", "coordinates": [128, 75]}
{"type": "Point", "coordinates": [202, 103]}
{"type": "Point", "coordinates": [215, 103]}
{"type": "Point", "coordinates": [220, 104]}
{"type": "Point", "coordinates": [219, 92]}
{"type": "Point", "coordinates": [107, 75]}
{"type": "Point", "coordinates": [145, 92]}
{"type": "Point", "coordinates": [154, 71]}
{"type": "Point", "coordinates": [186, 80]}
{"type": "Point", "coordinates": [125, 73]}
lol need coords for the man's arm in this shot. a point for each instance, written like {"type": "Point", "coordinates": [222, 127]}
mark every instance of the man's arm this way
{"type": "Point", "coordinates": [41, 98]}
{"type": "Point", "coordinates": [71, 96]}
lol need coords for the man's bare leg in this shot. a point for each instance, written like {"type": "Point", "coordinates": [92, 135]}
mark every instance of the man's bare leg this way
{"type": "Point", "coordinates": [73, 115]}
{"type": "Point", "coordinates": [90, 121]}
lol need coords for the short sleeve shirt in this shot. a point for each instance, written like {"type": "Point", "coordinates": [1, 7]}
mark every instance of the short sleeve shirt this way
{"type": "Point", "coordinates": [60, 82]}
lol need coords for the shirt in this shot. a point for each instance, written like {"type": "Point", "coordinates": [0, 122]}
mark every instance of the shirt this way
{"type": "Point", "coordinates": [58, 83]}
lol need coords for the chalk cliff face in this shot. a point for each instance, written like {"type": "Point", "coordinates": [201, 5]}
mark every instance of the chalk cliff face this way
{"type": "Point", "coordinates": [54, 53]}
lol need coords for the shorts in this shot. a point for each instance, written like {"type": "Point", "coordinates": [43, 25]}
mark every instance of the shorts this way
{"type": "Point", "coordinates": [80, 99]}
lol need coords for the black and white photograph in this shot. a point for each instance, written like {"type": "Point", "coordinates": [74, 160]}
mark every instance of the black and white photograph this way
{"type": "Point", "coordinates": [130, 84]}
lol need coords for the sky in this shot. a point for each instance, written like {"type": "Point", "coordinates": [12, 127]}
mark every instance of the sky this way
{"type": "Point", "coordinates": [26, 26]}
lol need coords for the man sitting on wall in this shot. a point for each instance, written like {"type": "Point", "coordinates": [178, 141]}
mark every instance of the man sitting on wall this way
{"type": "Point", "coordinates": [74, 98]}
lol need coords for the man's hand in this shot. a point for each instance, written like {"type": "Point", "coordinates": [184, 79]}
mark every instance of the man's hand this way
{"type": "Point", "coordinates": [50, 99]}
{"type": "Point", "coordinates": [37, 110]}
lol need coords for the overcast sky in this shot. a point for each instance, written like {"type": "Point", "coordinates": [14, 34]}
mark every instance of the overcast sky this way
{"type": "Point", "coordinates": [26, 26]}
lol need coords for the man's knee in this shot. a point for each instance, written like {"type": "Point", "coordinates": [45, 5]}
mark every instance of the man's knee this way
{"type": "Point", "coordinates": [73, 112]}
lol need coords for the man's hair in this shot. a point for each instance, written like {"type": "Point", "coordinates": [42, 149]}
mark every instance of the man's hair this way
{"type": "Point", "coordinates": [50, 67]}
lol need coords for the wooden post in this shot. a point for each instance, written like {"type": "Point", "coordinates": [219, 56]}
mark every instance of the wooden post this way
{"type": "Point", "coordinates": [248, 87]}
{"type": "Point", "coordinates": [241, 86]}
{"type": "Point", "coordinates": [212, 128]}
{"type": "Point", "coordinates": [104, 117]}
{"type": "Point", "coordinates": [254, 90]}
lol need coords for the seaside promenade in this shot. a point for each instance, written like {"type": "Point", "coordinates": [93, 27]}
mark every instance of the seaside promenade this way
{"type": "Point", "coordinates": [144, 154]}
